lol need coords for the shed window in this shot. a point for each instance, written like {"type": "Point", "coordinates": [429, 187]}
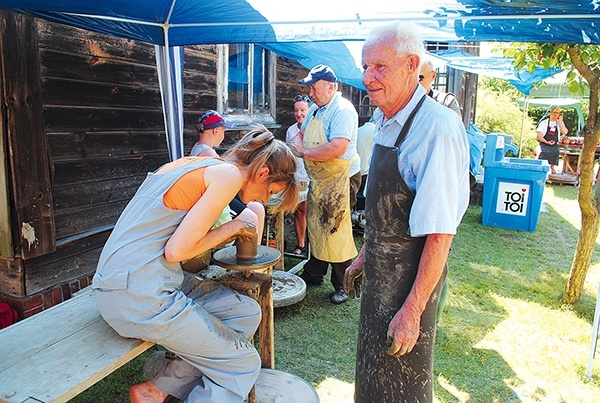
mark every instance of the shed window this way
{"type": "Point", "coordinates": [246, 83]}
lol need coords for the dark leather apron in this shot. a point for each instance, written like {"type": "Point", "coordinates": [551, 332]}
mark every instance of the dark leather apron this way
{"type": "Point", "coordinates": [391, 261]}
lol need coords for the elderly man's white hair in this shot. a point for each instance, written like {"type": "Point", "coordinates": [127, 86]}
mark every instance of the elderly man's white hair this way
{"type": "Point", "coordinates": [428, 63]}
{"type": "Point", "coordinates": [405, 36]}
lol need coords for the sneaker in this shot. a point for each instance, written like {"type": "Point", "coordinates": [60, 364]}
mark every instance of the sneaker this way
{"type": "Point", "coordinates": [339, 297]}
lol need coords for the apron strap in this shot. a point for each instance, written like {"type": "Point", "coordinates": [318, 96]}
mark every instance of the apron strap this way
{"type": "Point", "coordinates": [409, 122]}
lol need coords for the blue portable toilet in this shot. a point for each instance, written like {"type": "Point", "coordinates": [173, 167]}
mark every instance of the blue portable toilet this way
{"type": "Point", "coordinates": [513, 188]}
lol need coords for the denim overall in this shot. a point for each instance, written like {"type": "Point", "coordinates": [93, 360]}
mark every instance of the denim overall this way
{"type": "Point", "coordinates": [141, 295]}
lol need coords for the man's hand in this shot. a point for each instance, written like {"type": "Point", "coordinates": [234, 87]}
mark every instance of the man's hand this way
{"type": "Point", "coordinates": [403, 332]}
{"type": "Point", "coordinates": [353, 279]}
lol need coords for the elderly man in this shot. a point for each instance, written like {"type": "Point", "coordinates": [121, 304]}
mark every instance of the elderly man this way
{"type": "Point", "coordinates": [426, 79]}
{"type": "Point", "coordinates": [327, 142]}
{"type": "Point", "coordinates": [417, 193]}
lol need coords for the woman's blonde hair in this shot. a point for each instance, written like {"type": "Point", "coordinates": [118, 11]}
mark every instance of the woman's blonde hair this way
{"type": "Point", "coordinates": [259, 148]}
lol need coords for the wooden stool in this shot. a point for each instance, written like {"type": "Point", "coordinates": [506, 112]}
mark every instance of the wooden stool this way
{"type": "Point", "coordinates": [260, 287]}
{"type": "Point", "coordinates": [257, 285]}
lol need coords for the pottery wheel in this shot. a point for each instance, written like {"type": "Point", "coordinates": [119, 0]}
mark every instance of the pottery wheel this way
{"type": "Point", "coordinates": [287, 288]}
{"type": "Point", "coordinates": [265, 257]}
{"type": "Point", "coordinates": [273, 386]}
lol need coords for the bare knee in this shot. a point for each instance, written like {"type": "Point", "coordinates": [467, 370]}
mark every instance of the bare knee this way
{"type": "Point", "coordinates": [258, 209]}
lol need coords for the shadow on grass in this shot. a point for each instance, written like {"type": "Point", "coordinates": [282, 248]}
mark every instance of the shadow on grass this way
{"type": "Point", "coordinates": [487, 261]}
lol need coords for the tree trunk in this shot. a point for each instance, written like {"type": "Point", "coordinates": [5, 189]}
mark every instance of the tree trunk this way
{"type": "Point", "coordinates": [585, 247]}
{"type": "Point", "coordinates": [590, 219]}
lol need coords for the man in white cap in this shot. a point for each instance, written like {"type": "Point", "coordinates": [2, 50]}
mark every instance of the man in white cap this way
{"type": "Point", "coordinates": [327, 142]}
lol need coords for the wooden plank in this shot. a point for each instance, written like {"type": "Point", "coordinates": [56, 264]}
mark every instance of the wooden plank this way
{"type": "Point", "coordinates": [69, 66]}
{"type": "Point", "coordinates": [87, 218]}
{"type": "Point", "coordinates": [72, 260]}
{"type": "Point", "coordinates": [28, 148]}
{"type": "Point", "coordinates": [6, 236]}
{"type": "Point", "coordinates": [12, 274]}
{"type": "Point", "coordinates": [62, 37]}
{"type": "Point", "coordinates": [68, 146]}
{"type": "Point", "coordinates": [79, 119]}
{"type": "Point", "coordinates": [48, 367]}
{"type": "Point", "coordinates": [76, 195]}
{"type": "Point", "coordinates": [92, 170]}
{"type": "Point", "coordinates": [85, 93]}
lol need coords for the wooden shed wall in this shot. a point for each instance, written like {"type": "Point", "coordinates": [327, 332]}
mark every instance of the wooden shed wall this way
{"type": "Point", "coordinates": [104, 126]}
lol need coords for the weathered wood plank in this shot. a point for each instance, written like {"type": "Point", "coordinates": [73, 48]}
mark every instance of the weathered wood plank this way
{"type": "Point", "coordinates": [44, 368]}
{"type": "Point", "coordinates": [74, 259]}
{"type": "Point", "coordinates": [89, 118]}
{"type": "Point", "coordinates": [85, 93]}
{"type": "Point", "coordinates": [22, 97]}
{"type": "Point", "coordinates": [12, 275]}
{"type": "Point", "coordinates": [62, 37]}
{"type": "Point", "coordinates": [99, 69]}
{"type": "Point", "coordinates": [6, 233]}
{"type": "Point", "coordinates": [79, 145]}
{"type": "Point", "coordinates": [75, 195]}
{"type": "Point", "coordinates": [92, 170]}
{"type": "Point", "coordinates": [86, 218]}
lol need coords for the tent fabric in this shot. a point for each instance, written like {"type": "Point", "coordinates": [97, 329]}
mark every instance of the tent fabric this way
{"type": "Point", "coordinates": [498, 67]}
{"type": "Point", "coordinates": [186, 22]}
{"type": "Point", "coordinates": [335, 54]}
{"type": "Point", "coordinates": [172, 23]}
{"type": "Point", "coordinates": [169, 66]}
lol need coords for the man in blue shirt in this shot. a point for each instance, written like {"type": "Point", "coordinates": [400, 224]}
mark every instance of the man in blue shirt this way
{"type": "Point", "coordinates": [327, 142]}
{"type": "Point", "coordinates": [417, 193]}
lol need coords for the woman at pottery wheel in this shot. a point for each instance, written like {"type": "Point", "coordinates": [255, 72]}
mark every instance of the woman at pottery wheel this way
{"type": "Point", "coordinates": [143, 293]}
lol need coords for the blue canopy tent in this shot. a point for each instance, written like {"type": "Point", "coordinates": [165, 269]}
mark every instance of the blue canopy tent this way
{"type": "Point", "coordinates": [174, 23]}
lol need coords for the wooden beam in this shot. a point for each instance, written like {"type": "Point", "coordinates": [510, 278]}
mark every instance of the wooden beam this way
{"type": "Point", "coordinates": [27, 143]}
{"type": "Point", "coordinates": [6, 241]}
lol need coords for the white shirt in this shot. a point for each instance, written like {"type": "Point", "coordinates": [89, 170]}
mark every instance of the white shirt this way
{"type": "Point", "coordinates": [434, 162]}
{"type": "Point", "coordinates": [364, 146]}
{"type": "Point", "coordinates": [543, 126]}
{"type": "Point", "coordinates": [301, 174]}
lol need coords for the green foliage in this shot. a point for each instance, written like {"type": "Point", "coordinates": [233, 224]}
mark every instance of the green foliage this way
{"type": "Point", "coordinates": [500, 86]}
{"type": "Point", "coordinates": [498, 113]}
{"type": "Point", "coordinates": [548, 55]}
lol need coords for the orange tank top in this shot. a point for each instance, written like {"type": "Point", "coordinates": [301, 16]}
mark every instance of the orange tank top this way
{"type": "Point", "coordinates": [186, 191]}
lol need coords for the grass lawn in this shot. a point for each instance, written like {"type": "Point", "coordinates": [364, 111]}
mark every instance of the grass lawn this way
{"type": "Point", "coordinates": [504, 335]}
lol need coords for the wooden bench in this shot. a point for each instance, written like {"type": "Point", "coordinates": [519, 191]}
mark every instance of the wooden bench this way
{"type": "Point", "coordinates": [60, 352]}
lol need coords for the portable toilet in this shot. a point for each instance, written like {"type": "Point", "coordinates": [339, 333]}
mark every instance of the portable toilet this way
{"type": "Point", "coordinates": [513, 188]}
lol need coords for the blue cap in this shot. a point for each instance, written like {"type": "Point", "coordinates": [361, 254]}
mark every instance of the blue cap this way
{"type": "Point", "coordinates": [319, 72]}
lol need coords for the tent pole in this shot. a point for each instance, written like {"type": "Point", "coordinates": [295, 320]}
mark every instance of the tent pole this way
{"type": "Point", "coordinates": [168, 67]}
{"type": "Point", "coordinates": [525, 107]}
